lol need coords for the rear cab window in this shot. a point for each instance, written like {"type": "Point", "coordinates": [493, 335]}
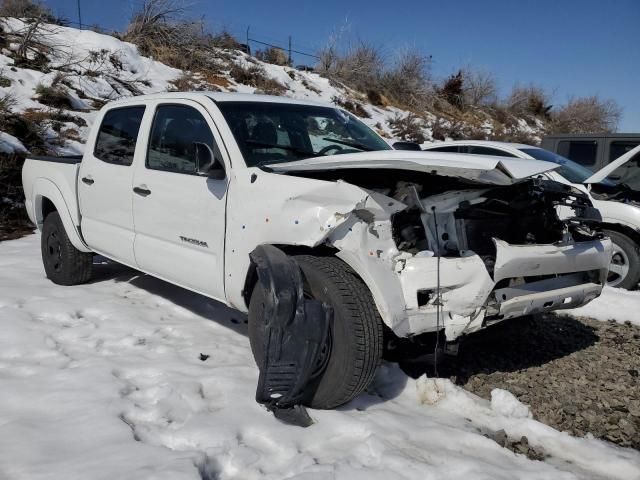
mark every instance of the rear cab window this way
{"type": "Point", "coordinates": [118, 135]}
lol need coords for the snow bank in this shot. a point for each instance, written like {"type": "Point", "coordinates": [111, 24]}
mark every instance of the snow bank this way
{"type": "Point", "coordinates": [105, 381]}
{"type": "Point", "coordinates": [614, 304]}
{"type": "Point", "coordinates": [10, 144]}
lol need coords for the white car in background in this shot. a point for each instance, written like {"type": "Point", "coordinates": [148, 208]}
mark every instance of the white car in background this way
{"type": "Point", "coordinates": [614, 190]}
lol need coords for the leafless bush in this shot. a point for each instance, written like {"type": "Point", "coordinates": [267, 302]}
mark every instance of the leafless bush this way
{"type": "Point", "coordinates": [255, 76]}
{"type": "Point", "coordinates": [27, 9]}
{"type": "Point", "coordinates": [529, 100]}
{"type": "Point", "coordinates": [452, 90]}
{"type": "Point", "coordinates": [408, 80]}
{"type": "Point", "coordinates": [273, 55]}
{"type": "Point", "coordinates": [54, 96]}
{"type": "Point", "coordinates": [587, 115]}
{"type": "Point", "coordinates": [479, 88]}
{"type": "Point", "coordinates": [409, 128]}
{"type": "Point", "coordinates": [360, 67]}
{"type": "Point", "coordinates": [351, 106]}
{"type": "Point", "coordinates": [7, 102]}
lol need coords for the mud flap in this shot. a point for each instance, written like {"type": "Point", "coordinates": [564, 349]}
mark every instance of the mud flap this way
{"type": "Point", "coordinates": [293, 331]}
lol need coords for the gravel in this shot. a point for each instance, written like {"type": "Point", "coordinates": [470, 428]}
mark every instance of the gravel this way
{"type": "Point", "coordinates": [577, 375]}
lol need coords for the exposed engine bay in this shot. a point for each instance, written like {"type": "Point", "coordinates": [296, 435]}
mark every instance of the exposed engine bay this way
{"type": "Point", "coordinates": [468, 254]}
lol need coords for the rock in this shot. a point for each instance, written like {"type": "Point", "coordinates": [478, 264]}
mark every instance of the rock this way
{"type": "Point", "coordinates": [501, 438]}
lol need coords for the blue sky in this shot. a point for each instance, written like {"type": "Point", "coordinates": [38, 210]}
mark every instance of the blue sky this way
{"type": "Point", "coordinates": [571, 47]}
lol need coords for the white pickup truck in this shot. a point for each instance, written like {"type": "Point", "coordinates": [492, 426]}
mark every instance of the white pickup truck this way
{"type": "Point", "coordinates": [213, 192]}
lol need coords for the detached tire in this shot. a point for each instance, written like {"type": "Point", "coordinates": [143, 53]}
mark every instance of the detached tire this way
{"type": "Point", "coordinates": [354, 349]}
{"type": "Point", "coordinates": [625, 265]}
{"type": "Point", "coordinates": [63, 263]}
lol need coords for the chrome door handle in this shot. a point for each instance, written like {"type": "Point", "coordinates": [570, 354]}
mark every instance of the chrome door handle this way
{"type": "Point", "coordinates": [142, 191]}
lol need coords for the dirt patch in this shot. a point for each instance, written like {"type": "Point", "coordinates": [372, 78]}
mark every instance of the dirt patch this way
{"type": "Point", "coordinates": [577, 375]}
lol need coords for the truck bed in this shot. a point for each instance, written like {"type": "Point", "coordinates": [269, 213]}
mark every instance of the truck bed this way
{"type": "Point", "coordinates": [55, 175]}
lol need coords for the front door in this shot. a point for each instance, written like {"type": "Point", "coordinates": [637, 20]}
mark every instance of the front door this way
{"type": "Point", "coordinates": [179, 214]}
{"type": "Point", "coordinates": [104, 186]}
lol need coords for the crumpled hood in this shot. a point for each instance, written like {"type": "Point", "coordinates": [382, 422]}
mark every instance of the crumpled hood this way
{"type": "Point", "coordinates": [478, 168]}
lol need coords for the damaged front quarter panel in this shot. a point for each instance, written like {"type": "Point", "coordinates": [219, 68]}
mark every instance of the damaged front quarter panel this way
{"type": "Point", "coordinates": [422, 279]}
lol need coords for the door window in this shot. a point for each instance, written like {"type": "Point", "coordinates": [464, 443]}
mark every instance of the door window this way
{"type": "Point", "coordinates": [116, 142]}
{"type": "Point", "coordinates": [179, 136]}
{"type": "Point", "coordinates": [583, 152]}
{"type": "Point", "coordinates": [619, 148]}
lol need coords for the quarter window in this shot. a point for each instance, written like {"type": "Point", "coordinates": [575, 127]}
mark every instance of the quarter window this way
{"type": "Point", "coordinates": [583, 152]}
{"type": "Point", "coordinates": [116, 142]}
{"type": "Point", "coordinates": [178, 136]}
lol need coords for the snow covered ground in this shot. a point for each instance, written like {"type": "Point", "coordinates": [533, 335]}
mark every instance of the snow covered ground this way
{"type": "Point", "coordinates": [105, 381]}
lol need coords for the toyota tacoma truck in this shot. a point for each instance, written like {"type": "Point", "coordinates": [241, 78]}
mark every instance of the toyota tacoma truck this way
{"type": "Point", "coordinates": [268, 204]}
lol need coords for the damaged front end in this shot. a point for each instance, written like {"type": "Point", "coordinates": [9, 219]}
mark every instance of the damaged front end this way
{"type": "Point", "coordinates": [502, 252]}
{"type": "Point", "coordinates": [440, 252]}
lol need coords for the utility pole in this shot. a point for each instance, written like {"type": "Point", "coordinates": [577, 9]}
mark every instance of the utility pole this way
{"type": "Point", "coordinates": [248, 47]}
{"type": "Point", "coordinates": [79, 16]}
{"type": "Point", "coordinates": [290, 60]}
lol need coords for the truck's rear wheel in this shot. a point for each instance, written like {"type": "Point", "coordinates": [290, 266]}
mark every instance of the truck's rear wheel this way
{"type": "Point", "coordinates": [624, 270]}
{"type": "Point", "coordinates": [63, 263]}
{"type": "Point", "coordinates": [349, 360]}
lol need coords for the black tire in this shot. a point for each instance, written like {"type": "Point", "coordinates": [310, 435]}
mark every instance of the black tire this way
{"type": "Point", "coordinates": [355, 347]}
{"type": "Point", "coordinates": [626, 251]}
{"type": "Point", "coordinates": [63, 263]}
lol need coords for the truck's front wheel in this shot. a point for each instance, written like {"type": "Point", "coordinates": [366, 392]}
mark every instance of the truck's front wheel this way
{"type": "Point", "coordinates": [353, 352]}
{"type": "Point", "coordinates": [63, 263]}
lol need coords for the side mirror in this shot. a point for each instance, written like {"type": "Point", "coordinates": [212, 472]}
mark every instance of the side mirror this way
{"type": "Point", "coordinates": [407, 146]}
{"type": "Point", "coordinates": [207, 163]}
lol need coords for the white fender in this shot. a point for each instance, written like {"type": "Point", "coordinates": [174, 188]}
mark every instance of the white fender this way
{"type": "Point", "coordinates": [47, 189]}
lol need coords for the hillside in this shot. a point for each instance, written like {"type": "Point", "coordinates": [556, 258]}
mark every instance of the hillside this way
{"type": "Point", "coordinates": [54, 79]}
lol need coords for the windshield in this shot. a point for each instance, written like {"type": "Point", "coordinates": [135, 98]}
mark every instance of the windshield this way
{"type": "Point", "coordinates": [282, 132]}
{"type": "Point", "coordinates": [569, 169]}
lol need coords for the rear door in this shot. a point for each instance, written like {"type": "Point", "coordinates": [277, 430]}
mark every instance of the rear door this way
{"type": "Point", "coordinates": [104, 186]}
{"type": "Point", "coordinates": [180, 214]}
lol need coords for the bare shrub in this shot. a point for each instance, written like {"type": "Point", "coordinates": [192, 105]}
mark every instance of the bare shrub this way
{"type": "Point", "coordinates": [255, 76]}
{"type": "Point", "coordinates": [587, 115]}
{"type": "Point", "coordinates": [409, 128]}
{"type": "Point", "coordinates": [13, 218]}
{"type": "Point", "coordinates": [7, 102]}
{"type": "Point", "coordinates": [54, 96]}
{"type": "Point", "coordinates": [479, 88]}
{"type": "Point", "coordinates": [361, 66]}
{"type": "Point", "coordinates": [27, 9]}
{"type": "Point", "coordinates": [408, 80]}
{"type": "Point", "coordinates": [529, 100]}
{"type": "Point", "coordinates": [351, 106]}
{"type": "Point", "coordinates": [273, 55]}
{"type": "Point", "coordinates": [452, 90]}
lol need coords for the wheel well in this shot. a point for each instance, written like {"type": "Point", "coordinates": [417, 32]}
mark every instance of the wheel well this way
{"type": "Point", "coordinates": [47, 207]}
{"type": "Point", "coordinates": [628, 231]}
{"type": "Point", "coordinates": [252, 276]}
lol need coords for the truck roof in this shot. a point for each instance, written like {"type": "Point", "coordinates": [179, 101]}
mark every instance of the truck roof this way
{"type": "Point", "coordinates": [219, 97]}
